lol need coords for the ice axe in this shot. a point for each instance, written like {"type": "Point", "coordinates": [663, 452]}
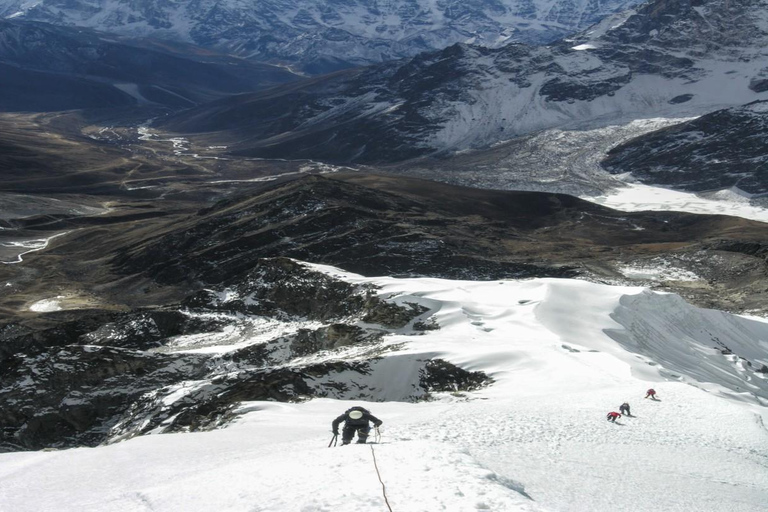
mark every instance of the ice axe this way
{"type": "Point", "coordinates": [334, 440]}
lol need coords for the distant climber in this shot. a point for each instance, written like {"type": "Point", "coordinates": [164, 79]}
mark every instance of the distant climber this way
{"type": "Point", "coordinates": [613, 416]}
{"type": "Point", "coordinates": [356, 419]}
{"type": "Point", "coordinates": [624, 409]}
{"type": "Point", "coordinates": [651, 393]}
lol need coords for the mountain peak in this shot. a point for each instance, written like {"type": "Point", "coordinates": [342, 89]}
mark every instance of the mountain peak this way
{"type": "Point", "coordinates": [664, 59]}
{"type": "Point", "coordinates": [323, 35]}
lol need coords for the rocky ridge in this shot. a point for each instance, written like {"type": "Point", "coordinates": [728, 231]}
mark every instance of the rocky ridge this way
{"type": "Point", "coordinates": [717, 151]}
{"type": "Point", "coordinates": [649, 62]}
{"type": "Point", "coordinates": [322, 35]}
{"type": "Point", "coordinates": [297, 334]}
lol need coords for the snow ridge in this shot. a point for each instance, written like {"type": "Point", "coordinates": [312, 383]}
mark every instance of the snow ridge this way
{"type": "Point", "coordinates": [562, 354]}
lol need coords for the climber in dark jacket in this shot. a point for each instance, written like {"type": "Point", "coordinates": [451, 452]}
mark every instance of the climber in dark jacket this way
{"type": "Point", "coordinates": [357, 420]}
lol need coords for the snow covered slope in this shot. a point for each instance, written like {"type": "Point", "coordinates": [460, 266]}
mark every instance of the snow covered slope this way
{"type": "Point", "coordinates": [666, 59]}
{"type": "Point", "coordinates": [320, 35]}
{"type": "Point", "coordinates": [562, 353]}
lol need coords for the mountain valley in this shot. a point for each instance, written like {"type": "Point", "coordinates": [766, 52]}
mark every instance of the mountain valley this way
{"type": "Point", "coordinates": [490, 223]}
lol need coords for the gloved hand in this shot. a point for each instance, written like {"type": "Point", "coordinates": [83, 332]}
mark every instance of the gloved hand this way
{"type": "Point", "coordinates": [336, 432]}
{"type": "Point", "coordinates": [378, 424]}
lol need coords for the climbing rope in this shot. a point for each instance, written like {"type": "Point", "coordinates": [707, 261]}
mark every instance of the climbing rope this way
{"type": "Point", "coordinates": [383, 488]}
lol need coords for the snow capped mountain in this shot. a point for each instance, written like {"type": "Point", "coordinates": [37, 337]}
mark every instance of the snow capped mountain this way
{"type": "Point", "coordinates": [666, 59]}
{"type": "Point", "coordinates": [561, 354]}
{"type": "Point", "coordinates": [320, 35]}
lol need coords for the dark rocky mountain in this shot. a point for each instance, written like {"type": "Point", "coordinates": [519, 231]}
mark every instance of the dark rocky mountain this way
{"type": "Point", "coordinates": [727, 148]}
{"type": "Point", "coordinates": [48, 68]}
{"type": "Point", "coordinates": [374, 225]}
{"type": "Point", "coordinates": [664, 59]}
{"type": "Point", "coordinates": [108, 376]}
{"type": "Point", "coordinates": [144, 299]}
{"type": "Point", "coordinates": [318, 36]}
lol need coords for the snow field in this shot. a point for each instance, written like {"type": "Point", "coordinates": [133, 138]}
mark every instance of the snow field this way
{"type": "Point", "coordinates": [562, 353]}
{"type": "Point", "coordinates": [638, 197]}
{"type": "Point", "coordinates": [275, 465]}
{"type": "Point", "coordinates": [688, 451]}
{"type": "Point", "coordinates": [434, 456]}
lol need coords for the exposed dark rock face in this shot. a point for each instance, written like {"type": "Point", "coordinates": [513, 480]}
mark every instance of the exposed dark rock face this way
{"type": "Point", "coordinates": [140, 330]}
{"type": "Point", "coordinates": [307, 342]}
{"type": "Point", "coordinates": [107, 376]}
{"type": "Point", "coordinates": [681, 99]}
{"type": "Point", "coordinates": [66, 330]}
{"type": "Point", "coordinates": [280, 287]}
{"type": "Point", "coordinates": [440, 375]}
{"type": "Point", "coordinates": [720, 150]}
{"type": "Point", "coordinates": [72, 395]}
{"type": "Point", "coordinates": [759, 85]}
{"type": "Point", "coordinates": [393, 316]}
{"type": "Point", "coordinates": [213, 404]}
{"type": "Point", "coordinates": [757, 249]}
{"type": "Point", "coordinates": [143, 331]}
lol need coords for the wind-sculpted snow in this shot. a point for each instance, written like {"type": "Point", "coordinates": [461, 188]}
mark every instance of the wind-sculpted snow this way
{"type": "Point", "coordinates": [708, 346]}
{"type": "Point", "coordinates": [676, 340]}
{"type": "Point", "coordinates": [323, 35]}
{"type": "Point", "coordinates": [561, 353]}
